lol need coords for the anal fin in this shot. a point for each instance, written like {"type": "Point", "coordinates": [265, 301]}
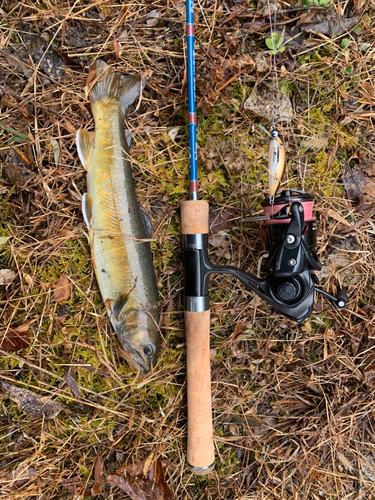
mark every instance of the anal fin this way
{"type": "Point", "coordinates": [87, 209]}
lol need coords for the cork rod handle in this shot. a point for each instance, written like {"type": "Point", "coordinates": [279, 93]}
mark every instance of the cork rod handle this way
{"type": "Point", "coordinates": [200, 447]}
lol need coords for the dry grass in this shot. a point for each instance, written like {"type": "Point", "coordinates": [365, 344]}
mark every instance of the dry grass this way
{"type": "Point", "coordinates": [293, 405]}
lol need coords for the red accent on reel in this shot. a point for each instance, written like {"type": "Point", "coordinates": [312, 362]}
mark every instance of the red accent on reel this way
{"type": "Point", "coordinates": [274, 209]}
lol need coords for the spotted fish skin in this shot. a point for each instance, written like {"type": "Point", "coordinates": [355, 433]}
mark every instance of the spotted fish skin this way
{"type": "Point", "coordinates": [119, 240]}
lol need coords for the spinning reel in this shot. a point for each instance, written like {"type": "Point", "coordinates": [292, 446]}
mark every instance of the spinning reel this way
{"type": "Point", "coordinates": [289, 284]}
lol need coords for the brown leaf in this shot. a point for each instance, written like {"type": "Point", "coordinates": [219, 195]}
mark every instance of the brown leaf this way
{"type": "Point", "coordinates": [269, 104]}
{"type": "Point", "coordinates": [142, 485]}
{"type": "Point", "coordinates": [354, 183]}
{"type": "Point", "coordinates": [21, 475]}
{"type": "Point", "coordinates": [63, 289]}
{"type": "Point", "coordinates": [256, 25]}
{"type": "Point", "coordinates": [219, 239]}
{"type": "Point", "coordinates": [18, 175]}
{"type": "Point", "coordinates": [18, 61]}
{"type": "Point", "coordinates": [219, 221]}
{"type": "Point", "coordinates": [14, 341]}
{"type": "Point", "coordinates": [326, 22]}
{"type": "Point", "coordinates": [99, 466]}
{"type": "Point", "coordinates": [28, 401]}
{"type": "Point", "coordinates": [156, 474]}
{"type": "Point", "coordinates": [76, 486]}
{"type": "Point", "coordinates": [368, 89]}
{"type": "Point", "coordinates": [69, 379]}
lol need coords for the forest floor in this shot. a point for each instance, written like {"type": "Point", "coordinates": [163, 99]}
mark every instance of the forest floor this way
{"type": "Point", "coordinates": [293, 404]}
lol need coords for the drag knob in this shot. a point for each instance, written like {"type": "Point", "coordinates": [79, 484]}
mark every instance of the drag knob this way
{"type": "Point", "coordinates": [287, 291]}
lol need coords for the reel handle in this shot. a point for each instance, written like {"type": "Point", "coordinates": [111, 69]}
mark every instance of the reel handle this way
{"type": "Point", "coordinates": [200, 446]}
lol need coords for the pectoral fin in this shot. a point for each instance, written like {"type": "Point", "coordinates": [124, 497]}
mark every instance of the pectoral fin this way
{"type": "Point", "coordinates": [87, 209]}
{"type": "Point", "coordinates": [119, 305]}
{"type": "Point", "coordinates": [146, 222]}
{"type": "Point", "coordinates": [85, 145]}
{"type": "Point", "coordinates": [128, 138]}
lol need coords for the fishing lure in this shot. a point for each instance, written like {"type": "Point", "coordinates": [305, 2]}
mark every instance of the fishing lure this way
{"type": "Point", "coordinates": [276, 163]}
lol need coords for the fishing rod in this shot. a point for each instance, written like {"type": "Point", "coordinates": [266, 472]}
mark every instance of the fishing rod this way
{"type": "Point", "coordinates": [289, 284]}
{"type": "Point", "coordinates": [194, 230]}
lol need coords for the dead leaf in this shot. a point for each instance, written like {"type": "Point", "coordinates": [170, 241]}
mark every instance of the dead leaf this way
{"type": "Point", "coordinates": [262, 62]}
{"type": "Point", "coordinates": [99, 466]}
{"type": "Point", "coordinates": [69, 379]}
{"type": "Point", "coordinates": [267, 102]}
{"type": "Point", "coordinates": [142, 485]}
{"type": "Point", "coordinates": [173, 133]}
{"type": "Point", "coordinates": [75, 486]}
{"type": "Point", "coordinates": [14, 341]}
{"type": "Point", "coordinates": [220, 220]}
{"type": "Point", "coordinates": [21, 475]}
{"type": "Point", "coordinates": [254, 26]}
{"type": "Point", "coordinates": [357, 183]}
{"type": "Point", "coordinates": [17, 170]}
{"type": "Point", "coordinates": [63, 289]}
{"type": "Point", "coordinates": [368, 464]}
{"type": "Point", "coordinates": [28, 401]}
{"type": "Point", "coordinates": [43, 53]}
{"type": "Point", "coordinates": [335, 215]}
{"type": "Point", "coordinates": [326, 22]}
{"type": "Point", "coordinates": [153, 17]}
{"type": "Point", "coordinates": [6, 276]}
{"type": "Point", "coordinates": [220, 239]}
{"type": "Point", "coordinates": [18, 61]}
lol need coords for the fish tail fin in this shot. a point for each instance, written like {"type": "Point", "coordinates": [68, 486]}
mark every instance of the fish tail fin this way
{"type": "Point", "coordinates": [106, 84]}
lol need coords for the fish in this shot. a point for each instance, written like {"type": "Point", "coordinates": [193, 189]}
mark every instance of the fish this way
{"type": "Point", "coordinates": [276, 163]}
{"type": "Point", "coordinates": [118, 231]}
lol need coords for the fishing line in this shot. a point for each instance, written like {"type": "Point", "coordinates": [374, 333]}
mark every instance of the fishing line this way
{"type": "Point", "coordinates": [276, 84]}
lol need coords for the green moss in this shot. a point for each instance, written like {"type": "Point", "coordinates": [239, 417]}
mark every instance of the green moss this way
{"type": "Point", "coordinates": [324, 174]}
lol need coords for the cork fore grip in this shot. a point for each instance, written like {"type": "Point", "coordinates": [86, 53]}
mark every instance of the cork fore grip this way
{"type": "Point", "coordinates": [200, 447]}
{"type": "Point", "coordinates": [194, 217]}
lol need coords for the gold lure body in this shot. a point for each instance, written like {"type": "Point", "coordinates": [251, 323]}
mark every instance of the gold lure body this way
{"type": "Point", "coordinates": [276, 163]}
{"type": "Point", "coordinates": [118, 233]}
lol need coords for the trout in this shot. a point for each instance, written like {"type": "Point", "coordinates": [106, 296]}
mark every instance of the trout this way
{"type": "Point", "coordinates": [119, 234]}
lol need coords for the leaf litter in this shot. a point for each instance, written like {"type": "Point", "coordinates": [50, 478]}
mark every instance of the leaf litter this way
{"type": "Point", "coordinates": [34, 404]}
{"type": "Point", "coordinates": [292, 404]}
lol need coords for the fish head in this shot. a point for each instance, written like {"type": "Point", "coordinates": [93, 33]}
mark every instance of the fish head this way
{"type": "Point", "coordinates": [138, 333]}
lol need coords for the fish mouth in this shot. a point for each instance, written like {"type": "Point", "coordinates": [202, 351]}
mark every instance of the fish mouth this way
{"type": "Point", "coordinates": [136, 359]}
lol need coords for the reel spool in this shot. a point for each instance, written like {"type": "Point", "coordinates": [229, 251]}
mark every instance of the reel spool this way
{"type": "Point", "coordinates": [276, 224]}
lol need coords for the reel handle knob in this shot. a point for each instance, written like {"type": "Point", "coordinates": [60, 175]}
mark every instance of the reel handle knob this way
{"type": "Point", "coordinates": [342, 298]}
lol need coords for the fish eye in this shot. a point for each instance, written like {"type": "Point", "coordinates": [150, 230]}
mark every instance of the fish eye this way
{"type": "Point", "coordinates": [148, 350]}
